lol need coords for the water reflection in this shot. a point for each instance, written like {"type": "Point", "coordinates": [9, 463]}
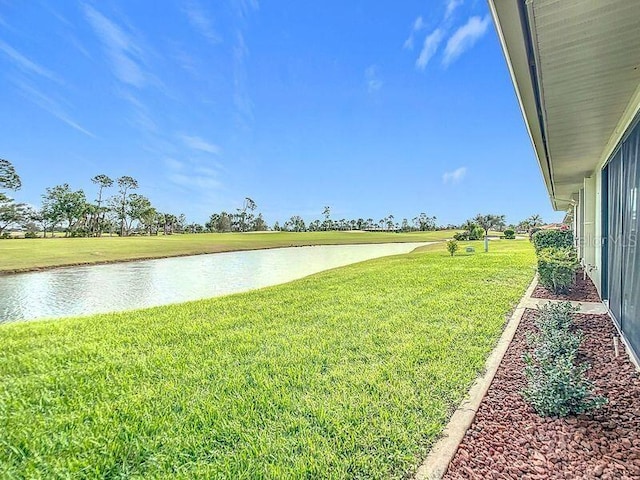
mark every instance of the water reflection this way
{"type": "Point", "coordinates": [125, 286]}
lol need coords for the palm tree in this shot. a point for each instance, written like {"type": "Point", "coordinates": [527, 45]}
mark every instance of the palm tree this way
{"type": "Point", "coordinates": [535, 220]}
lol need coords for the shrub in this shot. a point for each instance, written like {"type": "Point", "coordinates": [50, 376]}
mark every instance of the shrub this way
{"type": "Point", "coordinates": [5, 236]}
{"type": "Point", "coordinates": [476, 234]}
{"type": "Point", "coordinates": [554, 337]}
{"type": "Point", "coordinates": [556, 385]}
{"type": "Point", "coordinates": [452, 246]}
{"type": "Point", "coordinates": [557, 268]}
{"type": "Point", "coordinates": [461, 236]}
{"type": "Point", "coordinates": [559, 387]}
{"type": "Point", "coordinates": [30, 235]}
{"type": "Point", "coordinates": [555, 316]}
{"type": "Point", "coordinates": [509, 234]}
{"type": "Point", "coordinates": [552, 239]}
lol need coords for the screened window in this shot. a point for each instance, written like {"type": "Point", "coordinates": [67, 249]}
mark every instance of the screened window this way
{"type": "Point", "coordinates": [623, 182]}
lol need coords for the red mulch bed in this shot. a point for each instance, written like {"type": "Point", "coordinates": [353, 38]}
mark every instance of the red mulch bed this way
{"type": "Point", "coordinates": [509, 440]}
{"type": "Point", "coordinates": [583, 290]}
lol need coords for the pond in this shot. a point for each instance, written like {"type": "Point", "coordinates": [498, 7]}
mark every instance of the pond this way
{"type": "Point", "coordinates": [91, 289]}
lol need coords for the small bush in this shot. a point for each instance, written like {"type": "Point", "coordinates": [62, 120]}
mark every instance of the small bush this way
{"type": "Point", "coordinates": [509, 234]}
{"type": "Point", "coordinates": [555, 316]}
{"type": "Point", "coordinates": [461, 236]}
{"type": "Point", "coordinates": [552, 239]}
{"type": "Point", "coordinates": [5, 236]}
{"type": "Point", "coordinates": [556, 385]}
{"type": "Point", "coordinates": [557, 268]}
{"type": "Point", "coordinates": [555, 344]}
{"type": "Point", "coordinates": [30, 235]}
{"type": "Point", "coordinates": [476, 234]}
{"type": "Point", "coordinates": [452, 246]}
{"type": "Point", "coordinates": [559, 387]}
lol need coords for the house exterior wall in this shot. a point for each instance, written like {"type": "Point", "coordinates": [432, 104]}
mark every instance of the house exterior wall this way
{"type": "Point", "coordinates": [597, 272]}
{"type": "Point", "coordinates": [619, 207]}
{"type": "Point", "coordinates": [589, 240]}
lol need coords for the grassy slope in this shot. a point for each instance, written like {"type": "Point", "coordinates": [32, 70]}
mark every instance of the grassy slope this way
{"type": "Point", "coordinates": [350, 373]}
{"type": "Point", "coordinates": [18, 255]}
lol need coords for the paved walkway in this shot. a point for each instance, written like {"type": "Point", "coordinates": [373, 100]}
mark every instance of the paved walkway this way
{"type": "Point", "coordinates": [596, 308]}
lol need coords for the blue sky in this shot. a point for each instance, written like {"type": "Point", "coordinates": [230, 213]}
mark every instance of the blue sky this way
{"type": "Point", "coordinates": [372, 108]}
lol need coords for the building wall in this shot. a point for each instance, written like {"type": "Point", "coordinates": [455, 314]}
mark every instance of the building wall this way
{"type": "Point", "coordinates": [589, 240]}
{"type": "Point", "coordinates": [596, 274]}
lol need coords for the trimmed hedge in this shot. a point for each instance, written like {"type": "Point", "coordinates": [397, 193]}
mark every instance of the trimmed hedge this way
{"type": "Point", "coordinates": [509, 234]}
{"type": "Point", "coordinates": [557, 268]}
{"type": "Point", "coordinates": [552, 239]}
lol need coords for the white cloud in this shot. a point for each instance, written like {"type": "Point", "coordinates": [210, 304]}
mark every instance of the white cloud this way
{"type": "Point", "coordinates": [430, 47]}
{"type": "Point", "coordinates": [199, 19]}
{"type": "Point", "coordinates": [451, 7]}
{"type": "Point", "coordinates": [202, 182]}
{"type": "Point", "coordinates": [418, 24]}
{"type": "Point", "coordinates": [197, 143]}
{"type": "Point", "coordinates": [25, 64]}
{"type": "Point", "coordinates": [124, 53]}
{"type": "Point", "coordinates": [173, 164]}
{"type": "Point", "coordinates": [241, 98]}
{"type": "Point", "coordinates": [50, 105]}
{"type": "Point", "coordinates": [464, 38]}
{"type": "Point", "coordinates": [455, 176]}
{"type": "Point", "coordinates": [372, 78]}
{"type": "Point", "coordinates": [244, 8]}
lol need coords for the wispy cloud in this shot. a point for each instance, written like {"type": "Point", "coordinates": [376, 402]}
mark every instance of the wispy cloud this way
{"type": "Point", "coordinates": [454, 176]}
{"type": "Point", "coordinates": [464, 38]}
{"type": "Point", "coordinates": [241, 98]}
{"type": "Point", "coordinates": [141, 117]}
{"type": "Point", "coordinates": [244, 8]}
{"type": "Point", "coordinates": [430, 47]}
{"type": "Point", "coordinates": [197, 143]}
{"type": "Point", "coordinates": [125, 55]}
{"type": "Point", "coordinates": [418, 24]}
{"type": "Point", "coordinates": [26, 65]}
{"type": "Point", "coordinates": [371, 76]}
{"type": "Point", "coordinates": [50, 105]}
{"type": "Point", "coordinates": [452, 5]}
{"type": "Point", "coordinates": [173, 164]}
{"type": "Point", "coordinates": [192, 177]}
{"type": "Point", "coordinates": [200, 182]}
{"type": "Point", "coordinates": [202, 22]}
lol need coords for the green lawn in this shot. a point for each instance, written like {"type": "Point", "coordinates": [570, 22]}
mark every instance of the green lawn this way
{"type": "Point", "coordinates": [20, 254]}
{"type": "Point", "coordinates": [351, 373]}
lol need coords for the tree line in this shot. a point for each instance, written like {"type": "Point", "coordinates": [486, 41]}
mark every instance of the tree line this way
{"type": "Point", "coordinates": [296, 223]}
{"type": "Point", "coordinates": [123, 211]}
{"type": "Point", "coordinates": [119, 209]}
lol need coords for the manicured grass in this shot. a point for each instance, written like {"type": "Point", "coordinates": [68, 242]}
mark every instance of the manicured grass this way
{"type": "Point", "coordinates": [351, 373]}
{"type": "Point", "coordinates": [17, 255]}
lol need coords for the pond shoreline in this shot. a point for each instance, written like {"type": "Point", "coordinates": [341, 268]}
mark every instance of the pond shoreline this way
{"type": "Point", "coordinates": [44, 268]}
{"type": "Point", "coordinates": [120, 286]}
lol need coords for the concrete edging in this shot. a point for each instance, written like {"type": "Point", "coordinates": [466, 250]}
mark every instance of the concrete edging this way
{"type": "Point", "coordinates": [435, 465]}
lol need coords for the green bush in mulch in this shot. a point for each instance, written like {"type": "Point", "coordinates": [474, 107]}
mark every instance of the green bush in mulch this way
{"type": "Point", "coordinates": [556, 383]}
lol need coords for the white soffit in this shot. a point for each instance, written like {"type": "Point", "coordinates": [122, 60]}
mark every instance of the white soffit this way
{"type": "Point", "coordinates": [587, 70]}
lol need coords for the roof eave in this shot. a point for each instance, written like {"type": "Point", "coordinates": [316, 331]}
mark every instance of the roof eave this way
{"type": "Point", "coordinates": [511, 25]}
